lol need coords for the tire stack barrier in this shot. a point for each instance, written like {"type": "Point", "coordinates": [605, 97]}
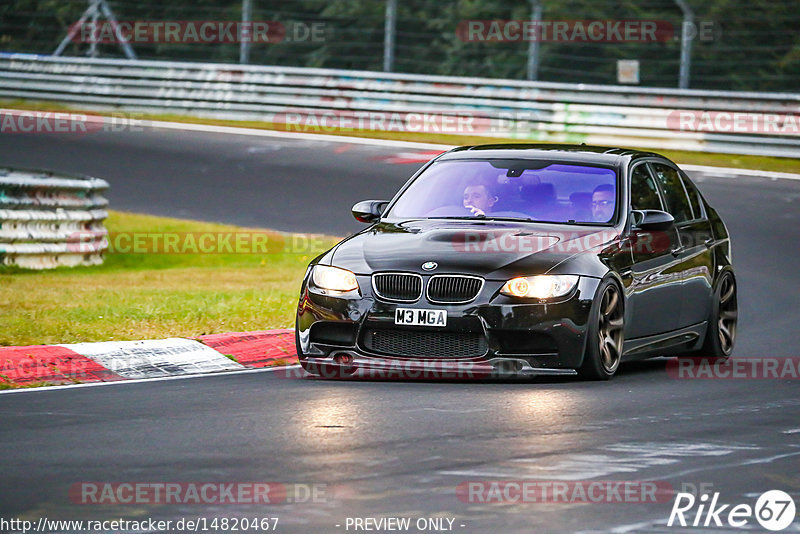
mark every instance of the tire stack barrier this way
{"type": "Point", "coordinates": [50, 220]}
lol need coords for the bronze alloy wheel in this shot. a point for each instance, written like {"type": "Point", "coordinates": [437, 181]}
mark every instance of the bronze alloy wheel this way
{"type": "Point", "coordinates": [609, 331]}
{"type": "Point", "coordinates": [727, 315]}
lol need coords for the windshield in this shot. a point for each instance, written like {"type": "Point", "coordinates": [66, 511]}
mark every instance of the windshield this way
{"type": "Point", "coordinates": [512, 189]}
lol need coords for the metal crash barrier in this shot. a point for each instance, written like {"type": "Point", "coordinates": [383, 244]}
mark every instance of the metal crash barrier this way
{"type": "Point", "coordinates": [49, 220]}
{"type": "Point", "coordinates": [663, 118]}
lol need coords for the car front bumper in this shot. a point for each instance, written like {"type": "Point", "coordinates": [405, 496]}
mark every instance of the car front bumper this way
{"type": "Point", "coordinates": [513, 337]}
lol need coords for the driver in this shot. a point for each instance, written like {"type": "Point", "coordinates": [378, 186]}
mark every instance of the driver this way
{"type": "Point", "coordinates": [479, 198]}
{"type": "Point", "coordinates": [603, 203]}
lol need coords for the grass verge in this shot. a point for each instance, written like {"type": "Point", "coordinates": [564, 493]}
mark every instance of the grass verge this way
{"type": "Point", "coordinates": [140, 296]}
{"type": "Point", "coordinates": [8, 384]}
{"type": "Point", "coordinates": [763, 163]}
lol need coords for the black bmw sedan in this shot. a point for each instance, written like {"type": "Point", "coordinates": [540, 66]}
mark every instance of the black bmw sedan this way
{"type": "Point", "coordinates": [524, 259]}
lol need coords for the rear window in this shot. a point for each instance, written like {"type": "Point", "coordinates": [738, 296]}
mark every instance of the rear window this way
{"type": "Point", "coordinates": [644, 193]}
{"type": "Point", "coordinates": [694, 197]}
{"type": "Point", "coordinates": [677, 201]}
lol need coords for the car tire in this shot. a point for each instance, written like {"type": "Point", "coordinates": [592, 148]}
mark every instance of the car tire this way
{"type": "Point", "coordinates": [722, 322]}
{"type": "Point", "coordinates": [605, 335]}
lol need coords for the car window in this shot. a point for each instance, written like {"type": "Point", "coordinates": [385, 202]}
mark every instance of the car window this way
{"type": "Point", "coordinates": [644, 194]}
{"type": "Point", "coordinates": [694, 197]}
{"type": "Point", "coordinates": [677, 201]}
{"type": "Point", "coordinates": [518, 189]}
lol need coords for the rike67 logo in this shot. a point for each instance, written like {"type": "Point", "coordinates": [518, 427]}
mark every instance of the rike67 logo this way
{"type": "Point", "coordinates": [774, 510]}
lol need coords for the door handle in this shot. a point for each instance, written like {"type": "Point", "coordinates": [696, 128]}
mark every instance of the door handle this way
{"type": "Point", "coordinates": [709, 242]}
{"type": "Point", "coordinates": [677, 250]}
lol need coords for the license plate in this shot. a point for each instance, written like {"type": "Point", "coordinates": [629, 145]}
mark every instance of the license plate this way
{"type": "Point", "coordinates": [417, 317]}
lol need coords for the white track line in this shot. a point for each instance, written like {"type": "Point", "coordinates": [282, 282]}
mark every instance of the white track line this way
{"type": "Point", "coordinates": [728, 172]}
{"type": "Point", "coordinates": [147, 380]}
{"type": "Point", "coordinates": [293, 135]}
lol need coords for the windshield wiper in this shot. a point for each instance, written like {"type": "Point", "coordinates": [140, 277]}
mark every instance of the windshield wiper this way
{"type": "Point", "coordinates": [523, 219]}
{"type": "Point", "coordinates": [485, 218]}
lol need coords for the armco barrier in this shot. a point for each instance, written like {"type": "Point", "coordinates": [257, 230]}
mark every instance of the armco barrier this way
{"type": "Point", "coordinates": [545, 111]}
{"type": "Point", "coordinates": [49, 220]}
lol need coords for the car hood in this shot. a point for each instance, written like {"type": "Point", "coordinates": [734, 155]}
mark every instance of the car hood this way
{"type": "Point", "coordinates": [493, 249]}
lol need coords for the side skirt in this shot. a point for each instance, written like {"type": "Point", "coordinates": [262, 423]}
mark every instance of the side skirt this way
{"type": "Point", "coordinates": [664, 344]}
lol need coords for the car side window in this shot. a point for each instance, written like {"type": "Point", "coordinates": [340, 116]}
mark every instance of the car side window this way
{"type": "Point", "coordinates": [677, 201]}
{"type": "Point", "coordinates": [644, 194]}
{"type": "Point", "coordinates": [694, 197]}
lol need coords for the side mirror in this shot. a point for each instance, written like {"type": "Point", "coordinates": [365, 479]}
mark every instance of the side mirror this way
{"type": "Point", "coordinates": [652, 220]}
{"type": "Point", "coordinates": [368, 211]}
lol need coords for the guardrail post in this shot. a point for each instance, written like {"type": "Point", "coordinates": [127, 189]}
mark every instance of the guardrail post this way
{"type": "Point", "coordinates": [109, 14]}
{"type": "Point", "coordinates": [94, 4]}
{"type": "Point", "coordinates": [686, 43]}
{"type": "Point", "coordinates": [533, 46]}
{"type": "Point", "coordinates": [388, 37]}
{"type": "Point", "coordinates": [244, 45]}
{"type": "Point", "coordinates": [92, 11]}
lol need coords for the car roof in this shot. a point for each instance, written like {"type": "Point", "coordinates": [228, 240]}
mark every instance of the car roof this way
{"type": "Point", "coordinates": [577, 153]}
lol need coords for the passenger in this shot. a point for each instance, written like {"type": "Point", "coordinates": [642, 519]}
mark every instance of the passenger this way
{"type": "Point", "coordinates": [479, 198]}
{"type": "Point", "coordinates": [603, 200]}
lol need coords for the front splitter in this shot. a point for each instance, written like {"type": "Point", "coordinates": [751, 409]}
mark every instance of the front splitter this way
{"type": "Point", "coordinates": [345, 364]}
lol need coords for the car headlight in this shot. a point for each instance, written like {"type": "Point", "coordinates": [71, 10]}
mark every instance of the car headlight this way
{"type": "Point", "coordinates": [334, 278]}
{"type": "Point", "coordinates": [540, 287]}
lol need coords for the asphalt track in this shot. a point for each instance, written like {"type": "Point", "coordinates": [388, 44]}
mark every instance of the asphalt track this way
{"type": "Point", "coordinates": [398, 448]}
